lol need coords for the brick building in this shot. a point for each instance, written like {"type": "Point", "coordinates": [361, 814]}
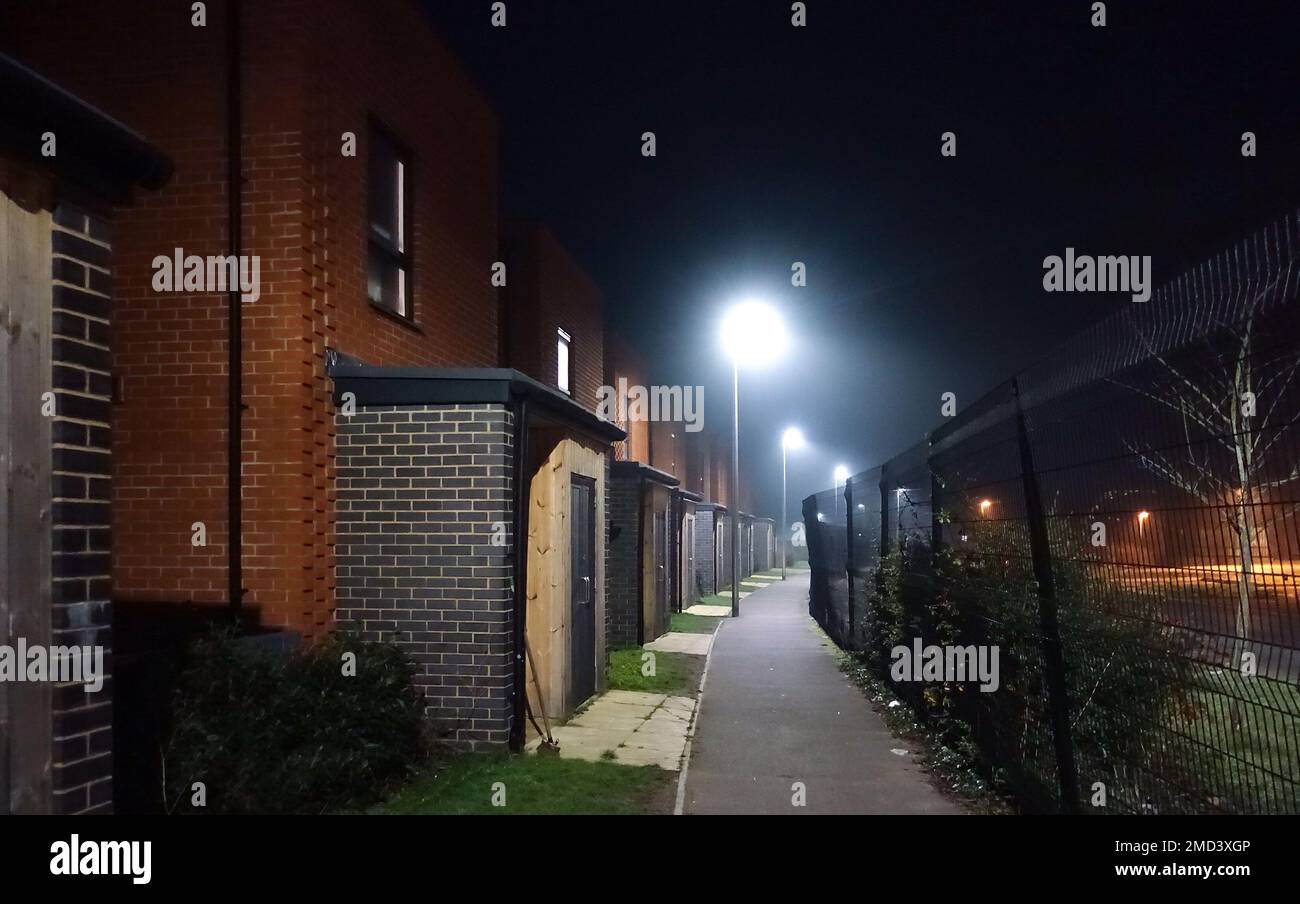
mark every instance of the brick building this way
{"type": "Point", "coordinates": [552, 319]}
{"type": "Point", "coordinates": [342, 265]}
{"type": "Point", "coordinates": [362, 439]}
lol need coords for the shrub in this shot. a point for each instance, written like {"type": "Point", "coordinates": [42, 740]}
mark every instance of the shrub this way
{"type": "Point", "coordinates": [1121, 671]}
{"type": "Point", "coordinates": [270, 733]}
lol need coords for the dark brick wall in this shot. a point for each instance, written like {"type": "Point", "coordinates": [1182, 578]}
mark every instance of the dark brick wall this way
{"type": "Point", "coordinates": [420, 489]}
{"type": "Point", "coordinates": [82, 779]}
{"type": "Point", "coordinates": [704, 552]}
{"type": "Point", "coordinates": [623, 591]}
{"type": "Point", "coordinates": [764, 559]}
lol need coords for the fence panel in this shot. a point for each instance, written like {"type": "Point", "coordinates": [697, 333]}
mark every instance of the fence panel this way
{"type": "Point", "coordinates": [1165, 477]}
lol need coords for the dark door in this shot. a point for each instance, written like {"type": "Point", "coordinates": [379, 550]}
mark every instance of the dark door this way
{"type": "Point", "coordinates": [688, 561]}
{"type": "Point", "coordinates": [719, 544]}
{"type": "Point", "coordinates": [582, 590]}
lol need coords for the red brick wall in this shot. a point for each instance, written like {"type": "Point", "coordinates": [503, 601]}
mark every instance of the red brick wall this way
{"type": "Point", "coordinates": [547, 290]}
{"type": "Point", "coordinates": [622, 361]}
{"type": "Point", "coordinates": [312, 70]}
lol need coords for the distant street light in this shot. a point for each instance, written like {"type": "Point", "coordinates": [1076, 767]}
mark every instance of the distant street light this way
{"type": "Point", "coordinates": [752, 335]}
{"type": "Point", "coordinates": [841, 476]}
{"type": "Point", "coordinates": [985, 505]}
{"type": "Point", "coordinates": [1143, 516]}
{"type": "Point", "coordinates": [791, 439]}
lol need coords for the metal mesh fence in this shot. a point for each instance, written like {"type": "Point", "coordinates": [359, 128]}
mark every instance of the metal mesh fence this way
{"type": "Point", "coordinates": [1119, 523]}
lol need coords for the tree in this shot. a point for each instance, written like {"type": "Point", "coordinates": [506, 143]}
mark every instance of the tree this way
{"type": "Point", "coordinates": [1234, 399]}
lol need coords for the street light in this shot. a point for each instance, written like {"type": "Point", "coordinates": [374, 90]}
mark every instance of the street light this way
{"type": "Point", "coordinates": [841, 476]}
{"type": "Point", "coordinates": [752, 335]}
{"type": "Point", "coordinates": [791, 439]}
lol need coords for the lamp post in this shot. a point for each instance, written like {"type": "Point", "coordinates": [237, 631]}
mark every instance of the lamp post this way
{"type": "Point", "coordinates": [752, 335]}
{"type": "Point", "coordinates": [791, 439]}
{"type": "Point", "coordinates": [841, 476]}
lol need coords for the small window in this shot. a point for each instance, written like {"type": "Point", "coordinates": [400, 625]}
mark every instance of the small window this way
{"type": "Point", "coordinates": [389, 265]}
{"type": "Point", "coordinates": [562, 357]}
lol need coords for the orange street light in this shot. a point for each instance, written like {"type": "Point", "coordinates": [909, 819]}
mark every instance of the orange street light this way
{"type": "Point", "coordinates": [1142, 521]}
{"type": "Point", "coordinates": [985, 505]}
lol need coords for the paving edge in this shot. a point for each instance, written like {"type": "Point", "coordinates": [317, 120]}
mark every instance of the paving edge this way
{"type": "Point", "coordinates": [680, 803]}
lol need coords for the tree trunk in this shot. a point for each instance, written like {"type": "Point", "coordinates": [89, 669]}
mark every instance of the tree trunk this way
{"type": "Point", "coordinates": [1245, 579]}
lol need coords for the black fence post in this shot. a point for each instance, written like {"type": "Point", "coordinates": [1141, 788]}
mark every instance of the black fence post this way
{"type": "Point", "coordinates": [1049, 626]}
{"type": "Point", "coordinates": [884, 515]}
{"type": "Point", "coordinates": [936, 526]}
{"type": "Point", "coordinates": [848, 553]}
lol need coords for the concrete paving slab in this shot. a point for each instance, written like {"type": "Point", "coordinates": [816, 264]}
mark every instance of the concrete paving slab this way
{"type": "Point", "coordinates": [639, 728]}
{"type": "Point", "coordinates": [635, 697]}
{"type": "Point", "coordinates": [681, 642]}
{"type": "Point", "coordinates": [705, 609]}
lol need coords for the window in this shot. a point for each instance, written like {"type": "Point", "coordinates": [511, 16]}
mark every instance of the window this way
{"type": "Point", "coordinates": [562, 357]}
{"type": "Point", "coordinates": [389, 264]}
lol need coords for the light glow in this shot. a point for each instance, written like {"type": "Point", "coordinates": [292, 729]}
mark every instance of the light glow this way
{"type": "Point", "coordinates": [753, 334]}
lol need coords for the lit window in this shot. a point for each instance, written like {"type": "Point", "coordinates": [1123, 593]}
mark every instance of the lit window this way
{"type": "Point", "coordinates": [389, 265]}
{"type": "Point", "coordinates": [562, 357]}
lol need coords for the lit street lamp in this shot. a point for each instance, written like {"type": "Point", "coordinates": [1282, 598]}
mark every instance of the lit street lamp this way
{"type": "Point", "coordinates": [841, 476]}
{"type": "Point", "coordinates": [791, 439]}
{"type": "Point", "coordinates": [752, 335]}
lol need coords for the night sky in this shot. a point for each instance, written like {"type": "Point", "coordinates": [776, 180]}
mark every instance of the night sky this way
{"type": "Point", "coordinates": [821, 144]}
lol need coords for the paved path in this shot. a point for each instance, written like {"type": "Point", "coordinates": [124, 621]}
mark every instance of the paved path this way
{"type": "Point", "coordinates": [777, 710]}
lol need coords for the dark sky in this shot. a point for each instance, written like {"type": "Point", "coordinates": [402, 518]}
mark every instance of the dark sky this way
{"type": "Point", "coordinates": [821, 144]}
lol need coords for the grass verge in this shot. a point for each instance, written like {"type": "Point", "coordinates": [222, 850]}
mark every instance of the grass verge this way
{"type": "Point", "coordinates": [462, 785]}
{"type": "Point", "coordinates": [685, 623]}
{"type": "Point", "coordinates": [677, 674]}
{"type": "Point", "coordinates": [715, 599]}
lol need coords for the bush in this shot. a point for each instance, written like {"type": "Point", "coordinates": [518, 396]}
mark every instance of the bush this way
{"type": "Point", "coordinates": [1121, 671]}
{"type": "Point", "coordinates": [270, 733]}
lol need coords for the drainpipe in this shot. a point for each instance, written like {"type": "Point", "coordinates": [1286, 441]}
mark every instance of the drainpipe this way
{"type": "Point", "coordinates": [234, 368]}
{"type": "Point", "coordinates": [522, 477]}
{"type": "Point", "coordinates": [640, 563]}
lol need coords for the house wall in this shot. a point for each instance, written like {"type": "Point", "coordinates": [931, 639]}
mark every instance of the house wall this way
{"type": "Point", "coordinates": [623, 585]}
{"type": "Point", "coordinates": [81, 610]}
{"type": "Point", "coordinates": [623, 362]}
{"type": "Point", "coordinates": [546, 291]}
{"type": "Point", "coordinates": [312, 71]}
{"type": "Point", "coordinates": [705, 552]}
{"type": "Point", "coordinates": [422, 490]}
{"type": "Point", "coordinates": [764, 560]}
